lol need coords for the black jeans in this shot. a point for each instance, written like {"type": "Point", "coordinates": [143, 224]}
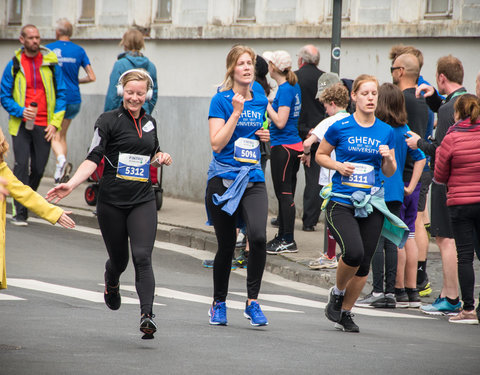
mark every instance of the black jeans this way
{"type": "Point", "coordinates": [357, 237]}
{"type": "Point", "coordinates": [466, 223]}
{"type": "Point", "coordinates": [389, 260]}
{"type": "Point", "coordinates": [284, 163]}
{"type": "Point", "coordinates": [139, 225]}
{"type": "Point", "coordinates": [253, 209]}
{"type": "Point", "coordinates": [311, 194]}
{"type": "Point", "coordinates": [31, 151]}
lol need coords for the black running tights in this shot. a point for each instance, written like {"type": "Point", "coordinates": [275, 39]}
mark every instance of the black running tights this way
{"type": "Point", "coordinates": [253, 208]}
{"type": "Point", "coordinates": [284, 163]}
{"type": "Point", "coordinates": [139, 225]}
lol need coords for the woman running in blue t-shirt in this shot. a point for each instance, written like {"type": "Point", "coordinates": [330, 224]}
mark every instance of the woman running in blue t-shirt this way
{"type": "Point", "coordinates": [236, 189]}
{"type": "Point", "coordinates": [286, 147]}
{"type": "Point", "coordinates": [364, 145]}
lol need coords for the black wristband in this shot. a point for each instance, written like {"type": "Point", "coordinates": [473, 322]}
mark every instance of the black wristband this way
{"type": "Point", "coordinates": [306, 153]}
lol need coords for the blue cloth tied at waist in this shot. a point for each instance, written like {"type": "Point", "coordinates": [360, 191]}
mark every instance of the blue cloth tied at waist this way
{"type": "Point", "coordinates": [393, 229]}
{"type": "Point", "coordinates": [232, 196]}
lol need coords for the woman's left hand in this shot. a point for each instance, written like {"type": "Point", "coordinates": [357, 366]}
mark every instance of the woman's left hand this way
{"type": "Point", "coordinates": [162, 158]}
{"type": "Point", "coordinates": [263, 134]}
{"type": "Point", "coordinates": [385, 152]}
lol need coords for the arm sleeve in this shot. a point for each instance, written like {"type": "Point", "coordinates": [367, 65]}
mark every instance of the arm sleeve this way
{"type": "Point", "coordinates": [85, 60]}
{"type": "Point", "coordinates": [416, 154]}
{"type": "Point", "coordinates": [426, 147]}
{"type": "Point", "coordinates": [332, 135]}
{"type": "Point", "coordinates": [60, 99]}
{"type": "Point", "coordinates": [99, 141]}
{"type": "Point", "coordinates": [6, 96]}
{"type": "Point", "coordinates": [285, 98]}
{"type": "Point", "coordinates": [434, 101]}
{"type": "Point", "coordinates": [443, 160]}
{"type": "Point", "coordinates": [216, 109]}
{"type": "Point", "coordinates": [30, 199]}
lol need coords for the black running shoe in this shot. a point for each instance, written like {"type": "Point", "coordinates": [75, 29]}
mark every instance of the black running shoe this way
{"type": "Point", "coordinates": [333, 310]}
{"type": "Point", "coordinates": [147, 326]}
{"type": "Point", "coordinates": [112, 296]}
{"type": "Point", "coordinates": [346, 323]}
{"type": "Point", "coordinates": [413, 297]}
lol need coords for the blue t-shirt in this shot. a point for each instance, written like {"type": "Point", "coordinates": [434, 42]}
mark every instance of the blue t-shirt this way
{"type": "Point", "coordinates": [70, 57]}
{"type": "Point", "coordinates": [287, 96]}
{"type": "Point", "coordinates": [249, 122]}
{"type": "Point", "coordinates": [394, 185]}
{"type": "Point", "coordinates": [358, 145]}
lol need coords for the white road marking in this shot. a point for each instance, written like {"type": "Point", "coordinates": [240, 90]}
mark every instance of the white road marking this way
{"type": "Point", "coordinates": [67, 291]}
{"type": "Point", "coordinates": [267, 277]}
{"type": "Point", "coordinates": [176, 294]}
{"type": "Point", "coordinates": [286, 299]}
{"type": "Point", "coordinates": [6, 297]}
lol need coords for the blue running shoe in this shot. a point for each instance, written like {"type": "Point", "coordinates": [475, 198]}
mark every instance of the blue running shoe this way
{"type": "Point", "coordinates": [255, 315]}
{"type": "Point", "coordinates": [441, 307]}
{"type": "Point", "coordinates": [218, 314]}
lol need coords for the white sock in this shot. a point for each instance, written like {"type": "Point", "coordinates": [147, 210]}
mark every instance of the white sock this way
{"type": "Point", "coordinates": [338, 292]}
{"type": "Point", "coordinates": [61, 160]}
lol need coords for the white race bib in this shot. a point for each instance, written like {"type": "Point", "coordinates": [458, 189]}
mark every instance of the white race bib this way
{"type": "Point", "coordinates": [247, 150]}
{"type": "Point", "coordinates": [133, 167]}
{"type": "Point", "coordinates": [363, 176]}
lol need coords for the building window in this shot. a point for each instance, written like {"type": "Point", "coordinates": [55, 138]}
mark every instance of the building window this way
{"type": "Point", "coordinates": [246, 11]}
{"type": "Point", "coordinates": [345, 9]}
{"type": "Point", "coordinates": [15, 12]}
{"type": "Point", "coordinates": [439, 9]}
{"type": "Point", "coordinates": [164, 11]}
{"type": "Point", "coordinates": [87, 11]}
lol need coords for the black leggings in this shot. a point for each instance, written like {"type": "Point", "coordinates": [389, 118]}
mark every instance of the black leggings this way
{"type": "Point", "coordinates": [253, 208]}
{"type": "Point", "coordinates": [139, 224]}
{"type": "Point", "coordinates": [466, 225]}
{"type": "Point", "coordinates": [284, 164]}
{"type": "Point", "coordinates": [357, 237]}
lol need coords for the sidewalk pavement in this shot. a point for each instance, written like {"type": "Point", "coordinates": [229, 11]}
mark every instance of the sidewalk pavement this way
{"type": "Point", "coordinates": [183, 222]}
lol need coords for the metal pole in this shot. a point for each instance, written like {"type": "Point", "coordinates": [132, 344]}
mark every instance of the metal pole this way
{"type": "Point", "coordinates": [334, 68]}
{"type": "Point", "coordinates": [336, 36]}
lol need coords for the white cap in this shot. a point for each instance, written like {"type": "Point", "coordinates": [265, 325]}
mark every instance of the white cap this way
{"type": "Point", "coordinates": [281, 59]}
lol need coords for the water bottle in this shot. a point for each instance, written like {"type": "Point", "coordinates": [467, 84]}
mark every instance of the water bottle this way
{"type": "Point", "coordinates": [30, 124]}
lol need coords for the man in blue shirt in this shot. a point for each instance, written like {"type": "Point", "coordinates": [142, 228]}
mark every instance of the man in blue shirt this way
{"type": "Point", "coordinates": [70, 57]}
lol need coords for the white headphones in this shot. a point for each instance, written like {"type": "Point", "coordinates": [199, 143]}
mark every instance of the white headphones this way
{"type": "Point", "coordinates": [149, 93]}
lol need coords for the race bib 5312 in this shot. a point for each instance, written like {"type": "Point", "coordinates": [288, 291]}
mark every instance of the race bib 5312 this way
{"type": "Point", "coordinates": [133, 167]}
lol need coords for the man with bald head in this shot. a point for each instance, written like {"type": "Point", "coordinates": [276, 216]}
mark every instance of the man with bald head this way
{"type": "Point", "coordinates": [405, 72]}
{"type": "Point", "coordinates": [311, 114]}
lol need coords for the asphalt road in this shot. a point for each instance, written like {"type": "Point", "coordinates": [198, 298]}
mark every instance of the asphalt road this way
{"type": "Point", "coordinates": [53, 321]}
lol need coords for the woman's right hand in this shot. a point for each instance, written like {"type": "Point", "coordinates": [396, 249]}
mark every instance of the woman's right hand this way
{"type": "Point", "coordinates": [58, 192]}
{"type": "Point", "coordinates": [345, 169]}
{"type": "Point", "coordinates": [238, 102]}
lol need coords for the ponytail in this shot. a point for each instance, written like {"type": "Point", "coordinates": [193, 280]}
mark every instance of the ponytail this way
{"type": "Point", "coordinates": [468, 106]}
{"type": "Point", "coordinates": [291, 77]}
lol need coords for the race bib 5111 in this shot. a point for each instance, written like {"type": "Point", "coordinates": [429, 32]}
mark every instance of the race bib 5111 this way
{"type": "Point", "coordinates": [363, 176]}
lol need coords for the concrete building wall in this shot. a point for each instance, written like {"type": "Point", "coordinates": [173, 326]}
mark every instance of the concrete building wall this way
{"type": "Point", "coordinates": [190, 57]}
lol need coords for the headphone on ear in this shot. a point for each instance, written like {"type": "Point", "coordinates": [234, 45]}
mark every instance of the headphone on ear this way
{"type": "Point", "coordinates": [149, 93]}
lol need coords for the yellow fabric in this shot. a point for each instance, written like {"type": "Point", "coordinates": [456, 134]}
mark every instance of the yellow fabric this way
{"type": "Point", "coordinates": [31, 200]}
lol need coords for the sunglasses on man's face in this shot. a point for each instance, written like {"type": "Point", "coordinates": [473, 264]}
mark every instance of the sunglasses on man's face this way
{"type": "Point", "coordinates": [395, 68]}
